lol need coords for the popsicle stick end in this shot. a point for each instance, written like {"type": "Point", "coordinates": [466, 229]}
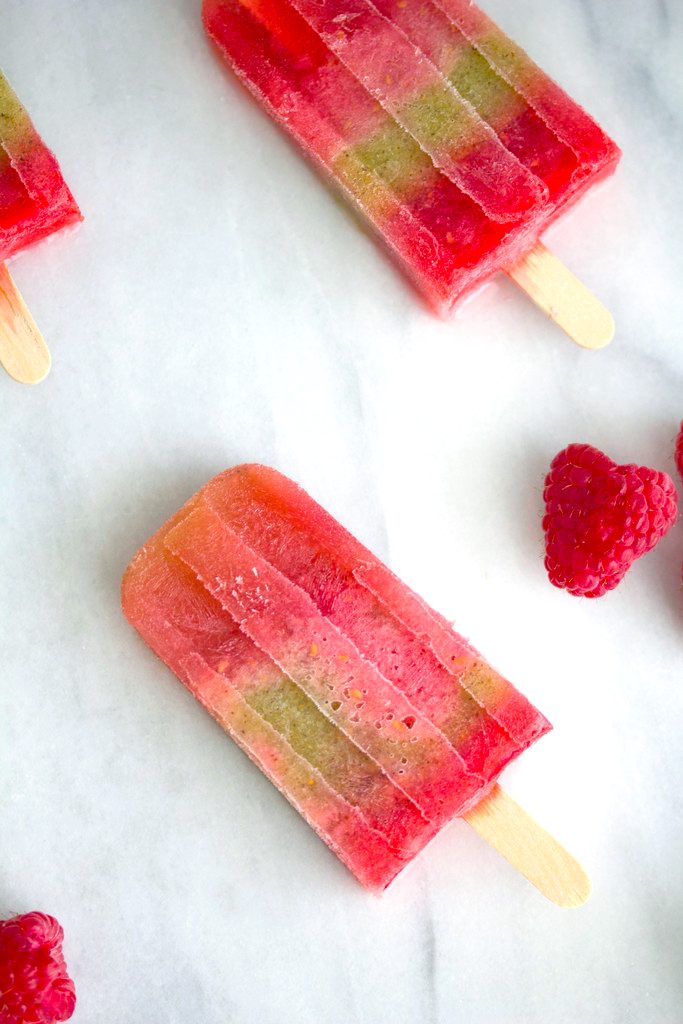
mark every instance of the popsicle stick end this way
{"type": "Point", "coordinates": [502, 823]}
{"type": "Point", "coordinates": [562, 297]}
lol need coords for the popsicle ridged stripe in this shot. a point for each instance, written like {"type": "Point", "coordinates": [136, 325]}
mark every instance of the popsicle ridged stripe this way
{"type": "Point", "coordinates": [453, 143]}
{"type": "Point", "coordinates": [563, 116]}
{"type": "Point", "coordinates": [413, 91]}
{"type": "Point", "coordinates": [256, 598]}
{"type": "Point", "coordinates": [386, 622]}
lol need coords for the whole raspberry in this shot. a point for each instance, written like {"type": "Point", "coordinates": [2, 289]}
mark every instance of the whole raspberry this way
{"type": "Point", "coordinates": [600, 517]}
{"type": "Point", "coordinates": [34, 985]}
{"type": "Point", "coordinates": [679, 452]}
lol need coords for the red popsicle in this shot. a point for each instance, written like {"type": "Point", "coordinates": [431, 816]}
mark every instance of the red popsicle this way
{"type": "Point", "coordinates": [456, 147]}
{"type": "Point", "coordinates": [373, 717]}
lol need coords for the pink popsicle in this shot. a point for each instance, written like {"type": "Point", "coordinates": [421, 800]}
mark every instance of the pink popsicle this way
{"type": "Point", "coordinates": [456, 146]}
{"type": "Point", "coordinates": [372, 716]}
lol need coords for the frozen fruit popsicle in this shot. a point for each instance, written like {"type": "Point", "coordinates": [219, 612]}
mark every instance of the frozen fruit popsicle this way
{"type": "Point", "coordinates": [374, 718]}
{"type": "Point", "coordinates": [34, 202]}
{"type": "Point", "coordinates": [456, 147]}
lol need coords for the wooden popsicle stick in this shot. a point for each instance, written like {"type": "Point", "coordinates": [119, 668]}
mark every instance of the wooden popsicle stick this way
{"type": "Point", "coordinates": [23, 351]}
{"type": "Point", "coordinates": [565, 299]}
{"type": "Point", "coordinates": [505, 826]}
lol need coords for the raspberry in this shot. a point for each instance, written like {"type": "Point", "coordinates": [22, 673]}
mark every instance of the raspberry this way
{"type": "Point", "coordinates": [679, 452]}
{"type": "Point", "coordinates": [34, 985]}
{"type": "Point", "coordinates": [600, 517]}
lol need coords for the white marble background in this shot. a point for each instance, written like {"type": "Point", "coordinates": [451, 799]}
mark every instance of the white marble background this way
{"type": "Point", "coordinates": [219, 305]}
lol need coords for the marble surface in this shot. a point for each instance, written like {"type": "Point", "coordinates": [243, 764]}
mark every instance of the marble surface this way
{"type": "Point", "coordinates": [220, 305]}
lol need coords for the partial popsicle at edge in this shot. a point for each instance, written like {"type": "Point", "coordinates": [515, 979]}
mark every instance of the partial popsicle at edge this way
{"type": "Point", "coordinates": [458, 154]}
{"type": "Point", "coordinates": [35, 202]}
{"type": "Point", "coordinates": [372, 716]}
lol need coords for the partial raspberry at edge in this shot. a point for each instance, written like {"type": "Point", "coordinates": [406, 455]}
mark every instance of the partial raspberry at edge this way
{"type": "Point", "coordinates": [600, 517]}
{"type": "Point", "coordinates": [35, 987]}
{"type": "Point", "coordinates": [679, 452]}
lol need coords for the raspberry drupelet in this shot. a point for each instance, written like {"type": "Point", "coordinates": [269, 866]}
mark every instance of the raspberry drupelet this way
{"type": "Point", "coordinates": [600, 517]}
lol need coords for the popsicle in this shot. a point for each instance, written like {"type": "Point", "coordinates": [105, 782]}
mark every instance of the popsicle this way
{"type": "Point", "coordinates": [35, 202]}
{"type": "Point", "coordinates": [376, 720]}
{"type": "Point", "coordinates": [456, 147]}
